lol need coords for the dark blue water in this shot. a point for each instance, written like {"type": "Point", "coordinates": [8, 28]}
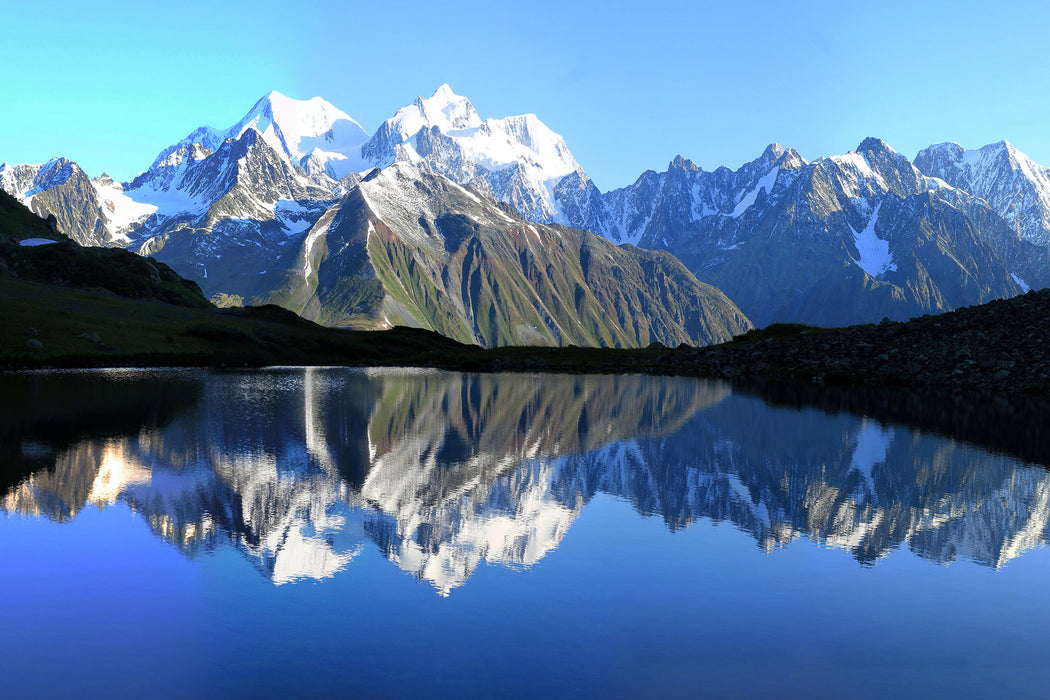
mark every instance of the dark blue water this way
{"type": "Point", "coordinates": [297, 532]}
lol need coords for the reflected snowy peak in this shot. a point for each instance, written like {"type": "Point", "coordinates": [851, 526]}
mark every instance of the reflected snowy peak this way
{"type": "Point", "coordinates": [302, 471]}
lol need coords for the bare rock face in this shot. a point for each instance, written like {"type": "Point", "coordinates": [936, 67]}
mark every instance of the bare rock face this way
{"type": "Point", "coordinates": [59, 192]}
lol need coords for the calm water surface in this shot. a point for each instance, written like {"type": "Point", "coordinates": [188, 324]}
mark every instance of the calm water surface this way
{"type": "Point", "coordinates": [416, 533]}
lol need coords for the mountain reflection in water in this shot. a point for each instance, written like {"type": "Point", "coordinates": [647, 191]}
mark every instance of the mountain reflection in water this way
{"type": "Point", "coordinates": [300, 469]}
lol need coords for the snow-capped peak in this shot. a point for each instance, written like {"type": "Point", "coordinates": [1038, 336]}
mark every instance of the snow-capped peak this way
{"type": "Point", "coordinates": [515, 159]}
{"type": "Point", "coordinates": [444, 109]}
{"type": "Point", "coordinates": [873, 145]}
{"type": "Point", "coordinates": [296, 120]}
{"type": "Point", "coordinates": [1016, 187]}
{"type": "Point", "coordinates": [296, 128]}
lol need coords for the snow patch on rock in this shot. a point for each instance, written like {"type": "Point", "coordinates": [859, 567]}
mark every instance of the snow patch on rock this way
{"type": "Point", "coordinates": [874, 255]}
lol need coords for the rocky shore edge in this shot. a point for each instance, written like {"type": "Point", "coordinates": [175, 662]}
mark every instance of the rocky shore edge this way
{"type": "Point", "coordinates": [998, 346]}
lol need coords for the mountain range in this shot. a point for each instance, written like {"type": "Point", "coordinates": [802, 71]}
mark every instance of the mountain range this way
{"type": "Point", "coordinates": [478, 228]}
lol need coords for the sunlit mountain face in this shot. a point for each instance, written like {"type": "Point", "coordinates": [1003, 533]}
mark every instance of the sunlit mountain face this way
{"type": "Point", "coordinates": [302, 470]}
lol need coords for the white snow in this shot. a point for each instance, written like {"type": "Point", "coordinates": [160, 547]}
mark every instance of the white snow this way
{"type": "Point", "coordinates": [875, 257]}
{"type": "Point", "coordinates": [395, 200]}
{"type": "Point", "coordinates": [33, 242]}
{"type": "Point", "coordinates": [766, 183]}
{"type": "Point", "coordinates": [470, 195]}
{"type": "Point", "coordinates": [857, 177]}
{"type": "Point", "coordinates": [1016, 187]}
{"type": "Point", "coordinates": [319, 229]}
{"type": "Point", "coordinates": [294, 217]}
{"type": "Point", "coordinates": [1021, 283]}
{"type": "Point", "coordinates": [296, 128]}
{"type": "Point", "coordinates": [171, 200]}
{"type": "Point", "coordinates": [444, 109]}
{"type": "Point", "coordinates": [701, 207]}
{"type": "Point", "coordinates": [121, 211]}
{"type": "Point", "coordinates": [478, 149]}
{"type": "Point", "coordinates": [873, 443]}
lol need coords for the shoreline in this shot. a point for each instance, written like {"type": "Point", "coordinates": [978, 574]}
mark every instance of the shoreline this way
{"type": "Point", "coordinates": [995, 347]}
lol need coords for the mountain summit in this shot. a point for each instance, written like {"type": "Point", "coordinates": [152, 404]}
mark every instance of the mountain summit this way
{"type": "Point", "coordinates": [300, 129]}
{"type": "Point", "coordinates": [1012, 184]}
{"type": "Point", "coordinates": [518, 160]}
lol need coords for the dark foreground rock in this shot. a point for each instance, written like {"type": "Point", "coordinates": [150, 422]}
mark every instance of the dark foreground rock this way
{"type": "Point", "coordinates": [997, 347]}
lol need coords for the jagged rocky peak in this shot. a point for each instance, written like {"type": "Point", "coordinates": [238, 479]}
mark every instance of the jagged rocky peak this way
{"type": "Point", "coordinates": [946, 151]}
{"type": "Point", "coordinates": [777, 155]}
{"type": "Point", "coordinates": [444, 111]}
{"type": "Point", "coordinates": [776, 148]}
{"type": "Point", "coordinates": [681, 163]}
{"type": "Point", "coordinates": [880, 155]}
{"type": "Point", "coordinates": [55, 172]}
{"type": "Point", "coordinates": [876, 147]}
{"type": "Point", "coordinates": [1004, 149]}
{"type": "Point", "coordinates": [104, 180]}
{"type": "Point", "coordinates": [773, 151]}
{"type": "Point", "coordinates": [185, 153]}
{"type": "Point", "coordinates": [787, 158]}
{"type": "Point", "coordinates": [403, 195]}
{"type": "Point", "coordinates": [873, 169]}
{"type": "Point", "coordinates": [883, 157]}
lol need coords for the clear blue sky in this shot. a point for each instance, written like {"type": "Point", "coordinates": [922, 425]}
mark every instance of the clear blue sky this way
{"type": "Point", "coordinates": [628, 84]}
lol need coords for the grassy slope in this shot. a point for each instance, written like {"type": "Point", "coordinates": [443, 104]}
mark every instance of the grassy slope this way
{"type": "Point", "coordinates": [581, 290]}
{"type": "Point", "coordinates": [141, 332]}
{"type": "Point", "coordinates": [137, 311]}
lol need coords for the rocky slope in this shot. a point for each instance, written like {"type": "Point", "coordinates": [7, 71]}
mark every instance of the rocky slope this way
{"type": "Point", "coordinates": [409, 247]}
{"type": "Point", "coordinates": [62, 190]}
{"type": "Point", "coordinates": [998, 345]}
{"type": "Point", "coordinates": [845, 239]}
{"type": "Point", "coordinates": [32, 251]}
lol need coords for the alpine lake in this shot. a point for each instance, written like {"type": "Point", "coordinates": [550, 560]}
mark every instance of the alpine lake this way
{"type": "Point", "coordinates": [300, 532]}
